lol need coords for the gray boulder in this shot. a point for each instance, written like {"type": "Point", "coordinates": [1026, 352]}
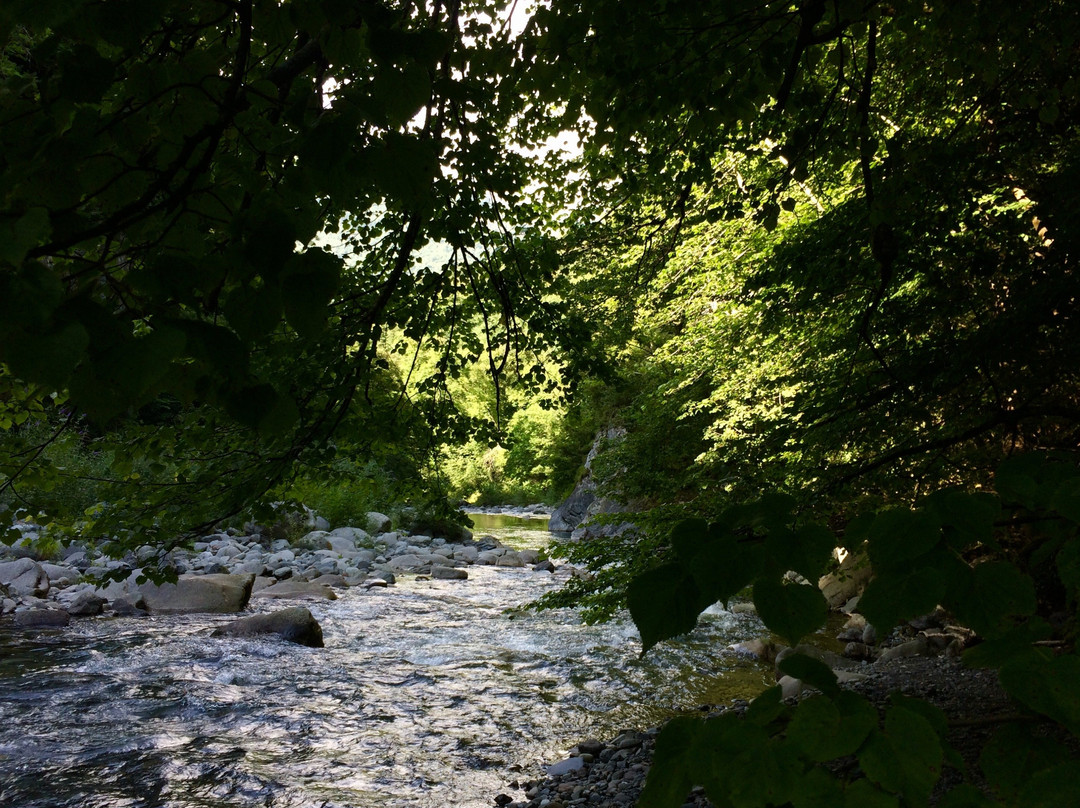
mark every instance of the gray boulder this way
{"type": "Point", "coordinates": [449, 573]}
{"type": "Point", "coordinates": [61, 575]}
{"type": "Point", "coordinates": [295, 625]}
{"type": "Point", "coordinates": [86, 603]}
{"type": "Point", "coordinates": [42, 618]}
{"type": "Point", "coordinates": [199, 593]}
{"type": "Point", "coordinates": [359, 538]}
{"type": "Point", "coordinates": [408, 561]}
{"type": "Point", "coordinates": [315, 540]}
{"type": "Point", "coordinates": [378, 522]}
{"type": "Point", "coordinates": [341, 544]}
{"type": "Point", "coordinates": [24, 576]}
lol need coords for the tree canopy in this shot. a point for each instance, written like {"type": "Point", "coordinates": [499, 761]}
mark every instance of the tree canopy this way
{"type": "Point", "coordinates": [816, 257]}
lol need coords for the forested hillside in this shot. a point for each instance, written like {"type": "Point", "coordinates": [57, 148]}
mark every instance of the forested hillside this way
{"type": "Point", "coordinates": [814, 259]}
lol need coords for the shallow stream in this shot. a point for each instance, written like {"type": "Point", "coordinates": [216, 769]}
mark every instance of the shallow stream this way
{"type": "Point", "coordinates": [427, 694]}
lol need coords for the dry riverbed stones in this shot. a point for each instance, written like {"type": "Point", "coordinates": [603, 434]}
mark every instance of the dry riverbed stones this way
{"type": "Point", "coordinates": [226, 571]}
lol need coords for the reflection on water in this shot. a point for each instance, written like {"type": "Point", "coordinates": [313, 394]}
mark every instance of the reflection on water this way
{"type": "Point", "coordinates": [426, 694]}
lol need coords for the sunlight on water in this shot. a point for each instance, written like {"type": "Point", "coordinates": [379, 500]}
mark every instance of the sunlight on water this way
{"type": "Point", "coordinates": [426, 694]}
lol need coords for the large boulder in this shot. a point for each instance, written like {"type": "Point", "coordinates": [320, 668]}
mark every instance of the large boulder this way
{"type": "Point", "coordinates": [84, 603]}
{"type": "Point", "coordinates": [378, 522]}
{"type": "Point", "coordinates": [314, 540]}
{"type": "Point", "coordinates": [25, 577]}
{"type": "Point", "coordinates": [61, 575]}
{"type": "Point", "coordinates": [295, 624]}
{"type": "Point", "coordinates": [199, 593]}
{"type": "Point", "coordinates": [42, 618]}
{"type": "Point", "coordinates": [848, 581]}
{"type": "Point", "coordinates": [449, 573]}
{"type": "Point", "coordinates": [297, 590]}
{"type": "Point", "coordinates": [359, 538]}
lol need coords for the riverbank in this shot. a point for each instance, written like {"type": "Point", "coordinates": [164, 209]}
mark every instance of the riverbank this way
{"type": "Point", "coordinates": [611, 773]}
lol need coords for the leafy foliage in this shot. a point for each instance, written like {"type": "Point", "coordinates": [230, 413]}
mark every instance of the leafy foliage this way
{"type": "Point", "coordinates": [901, 756]}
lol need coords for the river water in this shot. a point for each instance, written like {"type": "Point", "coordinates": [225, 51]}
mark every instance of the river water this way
{"type": "Point", "coordinates": [428, 693]}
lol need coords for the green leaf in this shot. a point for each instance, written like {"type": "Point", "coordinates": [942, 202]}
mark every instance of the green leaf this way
{"type": "Point", "coordinates": [1047, 686]}
{"type": "Point", "coordinates": [311, 279]}
{"type": "Point", "coordinates": [900, 535]}
{"type": "Point", "coordinates": [790, 610]}
{"type": "Point", "coordinates": [901, 594]}
{"type": "Point", "coordinates": [725, 565]}
{"type": "Point", "coordinates": [1013, 756]}
{"type": "Point", "coordinates": [664, 603]}
{"type": "Point", "coordinates": [806, 550]}
{"type": "Point", "coordinates": [817, 789]}
{"type": "Point", "coordinates": [1056, 788]}
{"type": "Point", "coordinates": [688, 536]}
{"type": "Point", "coordinates": [906, 758]}
{"type": "Point", "coordinates": [671, 776]}
{"type": "Point", "coordinates": [50, 358]}
{"type": "Point", "coordinates": [253, 311]}
{"type": "Point", "coordinates": [1066, 500]}
{"type": "Point", "coordinates": [966, 795]}
{"type": "Point", "coordinates": [863, 794]}
{"type": "Point", "coordinates": [967, 518]}
{"type": "Point", "coordinates": [812, 671]}
{"type": "Point", "coordinates": [1068, 564]}
{"type": "Point", "coordinates": [998, 592]}
{"type": "Point", "coordinates": [19, 236]}
{"type": "Point", "coordinates": [1011, 645]}
{"type": "Point", "coordinates": [824, 729]}
{"type": "Point", "coordinates": [766, 707]}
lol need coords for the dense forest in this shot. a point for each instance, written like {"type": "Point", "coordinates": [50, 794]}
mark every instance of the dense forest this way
{"type": "Point", "coordinates": [808, 264]}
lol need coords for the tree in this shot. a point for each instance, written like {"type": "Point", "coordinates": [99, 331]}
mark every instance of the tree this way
{"type": "Point", "coordinates": [167, 171]}
{"type": "Point", "coordinates": [906, 325]}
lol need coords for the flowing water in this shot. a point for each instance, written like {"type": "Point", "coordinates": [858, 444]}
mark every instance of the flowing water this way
{"type": "Point", "coordinates": [428, 693]}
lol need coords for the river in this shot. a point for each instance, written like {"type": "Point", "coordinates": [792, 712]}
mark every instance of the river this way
{"type": "Point", "coordinates": [428, 693]}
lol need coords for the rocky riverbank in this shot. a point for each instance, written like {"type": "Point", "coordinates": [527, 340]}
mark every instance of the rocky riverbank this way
{"type": "Point", "coordinates": [221, 572]}
{"type": "Point", "coordinates": [611, 773]}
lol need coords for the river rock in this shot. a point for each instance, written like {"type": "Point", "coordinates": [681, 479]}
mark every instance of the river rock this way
{"type": "Point", "coordinates": [86, 603]}
{"type": "Point", "coordinates": [511, 559]}
{"type": "Point", "coordinates": [448, 573]}
{"type": "Point", "coordinates": [547, 565]}
{"type": "Point", "coordinates": [467, 554]}
{"type": "Point", "coordinates": [378, 522]}
{"type": "Point", "coordinates": [853, 629]}
{"type": "Point", "coordinates": [199, 593]}
{"type": "Point", "coordinates": [42, 618]}
{"type": "Point", "coordinates": [405, 562]}
{"type": "Point", "coordinates": [359, 537]}
{"type": "Point", "coordinates": [61, 575]}
{"type": "Point", "coordinates": [314, 540]}
{"type": "Point", "coordinates": [24, 576]}
{"type": "Point", "coordinates": [565, 766]}
{"type": "Point", "coordinates": [129, 605]}
{"type": "Point", "coordinates": [846, 582]}
{"type": "Point", "coordinates": [297, 590]}
{"type": "Point", "coordinates": [917, 647]}
{"type": "Point", "coordinates": [295, 624]}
